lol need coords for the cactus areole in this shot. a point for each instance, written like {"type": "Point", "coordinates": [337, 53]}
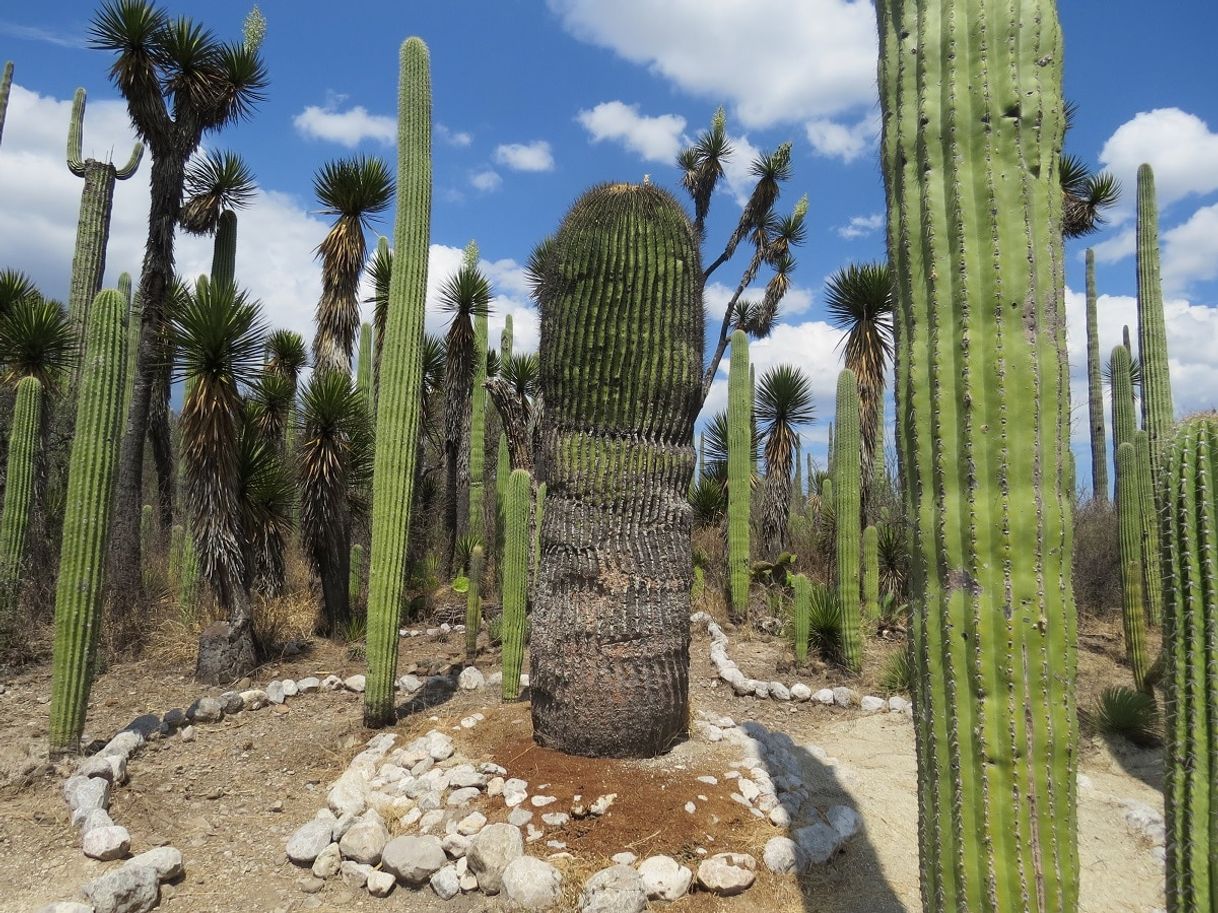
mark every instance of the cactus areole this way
{"type": "Point", "coordinates": [973, 118]}
{"type": "Point", "coordinates": [621, 371]}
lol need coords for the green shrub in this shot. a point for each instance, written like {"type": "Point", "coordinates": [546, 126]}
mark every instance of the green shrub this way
{"type": "Point", "coordinates": [1127, 713]}
{"type": "Point", "coordinates": [898, 673]}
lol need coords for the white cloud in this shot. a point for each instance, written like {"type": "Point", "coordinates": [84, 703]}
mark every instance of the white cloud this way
{"type": "Point", "coordinates": [736, 169]}
{"type": "Point", "coordinates": [486, 180]}
{"type": "Point", "coordinates": [774, 60]}
{"type": "Point", "coordinates": [459, 138]}
{"type": "Point", "coordinates": [1179, 146]}
{"type": "Point", "coordinates": [1190, 250]}
{"type": "Point", "coordinates": [656, 139]}
{"type": "Point", "coordinates": [1116, 248]}
{"type": "Point", "coordinates": [861, 226]}
{"type": "Point", "coordinates": [534, 156]}
{"type": "Point", "coordinates": [348, 128]}
{"type": "Point", "coordinates": [845, 142]}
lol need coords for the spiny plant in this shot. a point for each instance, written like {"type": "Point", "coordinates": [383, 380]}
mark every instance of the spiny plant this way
{"type": "Point", "coordinates": [517, 548]}
{"type": "Point", "coordinates": [539, 509]}
{"type": "Point", "coordinates": [355, 582]}
{"type": "Point", "coordinates": [148, 538]}
{"type": "Point", "coordinates": [871, 574]}
{"type": "Point", "coordinates": [37, 339]}
{"type": "Point", "coordinates": [80, 583]}
{"type": "Point", "coordinates": [801, 610]}
{"type": "Point", "coordinates": [363, 367]}
{"type": "Point", "coordinates": [1133, 604]}
{"type": "Point", "coordinates": [267, 495]}
{"type": "Point", "coordinates": [847, 491]}
{"type": "Point", "coordinates": [1158, 415]}
{"type": "Point", "coordinates": [740, 452]}
{"type": "Point", "coordinates": [380, 271]}
{"type": "Point", "coordinates": [783, 405]}
{"type": "Point", "coordinates": [898, 673]}
{"type": "Point", "coordinates": [983, 427]}
{"type": "Point", "coordinates": [473, 605]}
{"type": "Point", "coordinates": [476, 524]}
{"type": "Point", "coordinates": [1152, 567]}
{"type": "Point", "coordinates": [216, 186]}
{"type": "Point", "coordinates": [24, 435]}
{"type": "Point", "coordinates": [1095, 393]}
{"type": "Point", "coordinates": [621, 361]}
{"type": "Point", "coordinates": [399, 403]}
{"type": "Point", "coordinates": [1130, 714]}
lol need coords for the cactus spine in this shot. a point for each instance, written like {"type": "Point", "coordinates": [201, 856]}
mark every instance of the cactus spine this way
{"type": "Point", "coordinates": [1190, 528]}
{"type": "Point", "coordinates": [621, 379]}
{"type": "Point", "coordinates": [86, 525]}
{"type": "Point", "coordinates": [515, 588]}
{"type": "Point", "coordinates": [801, 615]}
{"type": "Point", "coordinates": [399, 402]}
{"type": "Point", "coordinates": [6, 82]}
{"type": "Point", "coordinates": [1129, 519]}
{"type": "Point", "coordinates": [477, 433]}
{"type": "Point", "coordinates": [363, 368]}
{"type": "Point", "coordinates": [24, 434]}
{"type": "Point", "coordinates": [1158, 414]}
{"type": "Point", "coordinates": [847, 479]}
{"type": "Point", "coordinates": [871, 573]}
{"type": "Point", "coordinates": [970, 95]}
{"type": "Point", "coordinates": [355, 576]}
{"type": "Point", "coordinates": [503, 464]}
{"type": "Point", "coordinates": [1152, 568]}
{"type": "Point", "coordinates": [473, 605]}
{"type": "Point", "coordinates": [93, 224]}
{"type": "Point", "coordinates": [739, 472]}
{"type": "Point", "coordinates": [224, 249]}
{"type": "Point", "coordinates": [1095, 393]}
{"type": "Point", "coordinates": [133, 338]}
{"type": "Point", "coordinates": [1124, 422]}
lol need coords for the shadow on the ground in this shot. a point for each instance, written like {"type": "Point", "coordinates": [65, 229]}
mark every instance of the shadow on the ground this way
{"type": "Point", "coordinates": [808, 787]}
{"type": "Point", "coordinates": [1145, 764]}
{"type": "Point", "coordinates": [436, 690]}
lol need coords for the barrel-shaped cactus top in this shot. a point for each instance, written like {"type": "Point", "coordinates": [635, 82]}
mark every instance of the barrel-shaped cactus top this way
{"type": "Point", "coordinates": [613, 361]}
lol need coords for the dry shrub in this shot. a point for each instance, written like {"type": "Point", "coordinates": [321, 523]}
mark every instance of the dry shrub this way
{"type": "Point", "coordinates": [1097, 560]}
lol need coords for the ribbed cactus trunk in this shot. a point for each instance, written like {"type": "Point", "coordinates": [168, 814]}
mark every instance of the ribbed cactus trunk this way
{"type": "Point", "coordinates": [25, 432]}
{"type": "Point", "coordinates": [514, 593]}
{"type": "Point", "coordinates": [399, 403]}
{"type": "Point", "coordinates": [1152, 565]}
{"type": "Point", "coordinates": [224, 249]}
{"type": "Point", "coordinates": [1095, 392]}
{"type": "Point", "coordinates": [176, 538]}
{"type": "Point", "coordinates": [1158, 413]}
{"type": "Point", "coordinates": [80, 584]}
{"type": "Point", "coordinates": [971, 100]}
{"type": "Point", "coordinates": [133, 339]}
{"type": "Point", "coordinates": [801, 615]}
{"type": "Point", "coordinates": [1190, 526]}
{"type": "Point", "coordinates": [473, 605]}
{"type": "Point", "coordinates": [847, 509]}
{"type": "Point", "coordinates": [739, 474]}
{"type": "Point", "coordinates": [1124, 420]}
{"type": "Point", "coordinates": [363, 367]}
{"type": "Point", "coordinates": [477, 434]}
{"type": "Point", "coordinates": [504, 461]}
{"type": "Point", "coordinates": [539, 514]}
{"type": "Point", "coordinates": [621, 378]}
{"type": "Point", "coordinates": [355, 576]}
{"type": "Point", "coordinates": [797, 484]}
{"type": "Point", "coordinates": [871, 574]}
{"type": "Point", "coordinates": [1129, 520]}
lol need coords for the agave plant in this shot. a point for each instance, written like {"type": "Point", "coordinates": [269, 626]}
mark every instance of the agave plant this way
{"type": "Point", "coordinates": [1128, 713]}
{"type": "Point", "coordinates": [784, 405]}
{"type": "Point", "coordinates": [36, 340]}
{"type": "Point", "coordinates": [824, 622]}
{"type": "Point", "coordinates": [15, 287]}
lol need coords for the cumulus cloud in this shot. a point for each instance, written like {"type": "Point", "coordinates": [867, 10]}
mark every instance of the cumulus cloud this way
{"type": "Point", "coordinates": [861, 226]}
{"type": "Point", "coordinates": [1181, 148]}
{"type": "Point", "coordinates": [534, 156]}
{"type": "Point", "coordinates": [1116, 248]}
{"type": "Point", "coordinates": [459, 138]}
{"type": "Point", "coordinates": [773, 60]}
{"type": "Point", "coordinates": [656, 139]}
{"type": "Point", "coordinates": [1190, 250]}
{"type": "Point", "coordinates": [348, 127]}
{"type": "Point", "coordinates": [485, 180]}
{"type": "Point", "coordinates": [842, 141]}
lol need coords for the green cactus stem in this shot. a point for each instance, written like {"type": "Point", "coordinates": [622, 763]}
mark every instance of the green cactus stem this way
{"type": "Point", "coordinates": [93, 222]}
{"type": "Point", "coordinates": [847, 508]}
{"type": "Point", "coordinates": [1190, 530]}
{"type": "Point", "coordinates": [538, 516]}
{"type": "Point", "coordinates": [1129, 519]}
{"type": "Point", "coordinates": [1095, 392]}
{"type": "Point", "coordinates": [363, 367]}
{"type": "Point", "coordinates": [1152, 567]}
{"type": "Point", "coordinates": [355, 576]}
{"type": "Point", "coordinates": [147, 537]}
{"type": "Point", "coordinates": [224, 249]}
{"type": "Point", "coordinates": [801, 615]}
{"type": "Point", "coordinates": [400, 400]}
{"type": "Point", "coordinates": [133, 338]}
{"type": "Point", "coordinates": [86, 526]}
{"type": "Point", "coordinates": [176, 538]}
{"type": "Point", "coordinates": [477, 433]}
{"type": "Point", "coordinates": [1158, 414]}
{"type": "Point", "coordinates": [739, 474]}
{"type": "Point", "coordinates": [515, 589]}
{"type": "Point", "coordinates": [871, 574]}
{"type": "Point", "coordinates": [19, 488]}
{"type": "Point", "coordinates": [973, 119]}
{"type": "Point", "coordinates": [1124, 421]}
{"type": "Point", "coordinates": [621, 379]}
{"type": "Point", "coordinates": [473, 605]}
{"type": "Point", "coordinates": [503, 458]}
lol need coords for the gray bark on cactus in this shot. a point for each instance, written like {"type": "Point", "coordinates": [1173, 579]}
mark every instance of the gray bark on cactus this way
{"type": "Point", "coordinates": [621, 372]}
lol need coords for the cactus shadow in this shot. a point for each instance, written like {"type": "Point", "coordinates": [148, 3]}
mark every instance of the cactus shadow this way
{"type": "Point", "coordinates": [436, 690]}
{"type": "Point", "coordinates": [1144, 764]}
{"type": "Point", "coordinates": [851, 879]}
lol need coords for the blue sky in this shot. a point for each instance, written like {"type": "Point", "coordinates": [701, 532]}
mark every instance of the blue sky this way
{"type": "Point", "coordinates": [540, 98]}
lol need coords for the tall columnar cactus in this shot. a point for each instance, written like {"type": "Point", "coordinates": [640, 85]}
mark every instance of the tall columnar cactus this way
{"type": "Point", "coordinates": [93, 223]}
{"type": "Point", "coordinates": [503, 458]}
{"type": "Point", "coordinates": [133, 338]}
{"type": "Point", "coordinates": [355, 575]}
{"type": "Point", "coordinates": [24, 435]}
{"type": "Point", "coordinates": [477, 433]}
{"type": "Point", "coordinates": [1190, 527]}
{"type": "Point", "coordinates": [399, 403]}
{"type": "Point", "coordinates": [473, 605]}
{"type": "Point", "coordinates": [1095, 392]}
{"type": "Point", "coordinates": [801, 615]}
{"type": "Point", "coordinates": [538, 516]}
{"type": "Point", "coordinates": [1152, 566]}
{"type": "Point", "coordinates": [514, 593]}
{"type": "Point", "coordinates": [1158, 414]}
{"type": "Point", "coordinates": [621, 379]}
{"type": "Point", "coordinates": [1124, 421]}
{"type": "Point", "coordinates": [879, 461]}
{"type": "Point", "coordinates": [6, 82]}
{"type": "Point", "coordinates": [147, 536]}
{"type": "Point", "coordinates": [176, 538]}
{"type": "Point", "coordinates": [973, 119]}
{"type": "Point", "coordinates": [86, 525]}
{"type": "Point", "coordinates": [1129, 520]}
{"type": "Point", "coordinates": [797, 484]}
{"type": "Point", "coordinates": [739, 473]}
{"type": "Point", "coordinates": [363, 368]}
{"type": "Point", "coordinates": [224, 249]}
{"type": "Point", "coordinates": [871, 573]}
{"type": "Point", "coordinates": [847, 509]}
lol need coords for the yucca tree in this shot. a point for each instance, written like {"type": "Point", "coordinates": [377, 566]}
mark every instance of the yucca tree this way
{"type": "Point", "coordinates": [1085, 194]}
{"type": "Point", "coordinates": [218, 332]}
{"type": "Point", "coordinates": [267, 495]}
{"type": "Point", "coordinates": [784, 405]}
{"type": "Point", "coordinates": [37, 339]}
{"type": "Point", "coordinates": [334, 465]}
{"type": "Point", "coordinates": [702, 167]}
{"type": "Point", "coordinates": [513, 388]}
{"type": "Point", "coordinates": [15, 287]}
{"type": "Point", "coordinates": [380, 270]}
{"type": "Point", "coordinates": [859, 300]}
{"type": "Point", "coordinates": [354, 190]}
{"type": "Point", "coordinates": [180, 82]}
{"type": "Point", "coordinates": [269, 408]}
{"type": "Point", "coordinates": [715, 435]}
{"type": "Point", "coordinates": [464, 296]}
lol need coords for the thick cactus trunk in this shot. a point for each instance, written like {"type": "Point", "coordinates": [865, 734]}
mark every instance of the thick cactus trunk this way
{"type": "Point", "coordinates": [86, 527]}
{"type": "Point", "coordinates": [224, 249]}
{"type": "Point", "coordinates": [1190, 494]}
{"type": "Point", "coordinates": [1095, 393]}
{"type": "Point", "coordinates": [25, 433]}
{"type": "Point", "coordinates": [739, 473]}
{"type": "Point", "coordinates": [514, 593]}
{"type": "Point", "coordinates": [477, 434]}
{"type": "Point", "coordinates": [363, 367]}
{"type": "Point", "coordinates": [847, 509]}
{"type": "Point", "coordinates": [801, 615]}
{"type": "Point", "coordinates": [1133, 603]}
{"type": "Point", "coordinates": [355, 578]}
{"type": "Point", "coordinates": [1152, 565]}
{"type": "Point", "coordinates": [399, 403]}
{"type": "Point", "coordinates": [1158, 414]}
{"type": "Point", "coordinates": [473, 605]}
{"type": "Point", "coordinates": [1124, 422]}
{"type": "Point", "coordinates": [621, 378]}
{"type": "Point", "coordinates": [972, 109]}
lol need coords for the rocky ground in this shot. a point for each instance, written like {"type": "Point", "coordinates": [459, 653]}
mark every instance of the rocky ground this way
{"type": "Point", "coordinates": [232, 793]}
